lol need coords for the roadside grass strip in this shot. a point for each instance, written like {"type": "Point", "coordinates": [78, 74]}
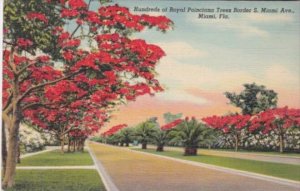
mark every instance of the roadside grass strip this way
{"type": "Point", "coordinates": [57, 180]}
{"type": "Point", "coordinates": [286, 171]}
{"type": "Point", "coordinates": [55, 158]}
{"type": "Point", "coordinates": [263, 153]}
{"type": "Point", "coordinates": [53, 171]}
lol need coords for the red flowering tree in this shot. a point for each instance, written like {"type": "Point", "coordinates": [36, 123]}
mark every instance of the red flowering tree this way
{"type": "Point", "coordinates": [79, 118]}
{"type": "Point", "coordinates": [278, 120]}
{"type": "Point", "coordinates": [231, 124]}
{"type": "Point", "coordinates": [46, 64]}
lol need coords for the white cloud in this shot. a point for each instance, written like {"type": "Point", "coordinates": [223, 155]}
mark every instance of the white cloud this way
{"type": "Point", "coordinates": [178, 77]}
{"type": "Point", "coordinates": [269, 18]}
{"type": "Point", "coordinates": [179, 95]}
{"type": "Point", "coordinates": [183, 75]}
{"type": "Point", "coordinates": [242, 25]}
{"type": "Point", "coordinates": [181, 49]}
{"type": "Point", "coordinates": [279, 76]}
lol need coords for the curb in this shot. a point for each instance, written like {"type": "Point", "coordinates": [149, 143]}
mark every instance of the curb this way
{"type": "Point", "coordinates": [107, 181]}
{"type": "Point", "coordinates": [273, 179]}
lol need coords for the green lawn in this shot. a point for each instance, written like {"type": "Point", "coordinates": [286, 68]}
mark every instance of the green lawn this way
{"type": "Point", "coordinates": [55, 158]}
{"type": "Point", "coordinates": [287, 171]}
{"type": "Point", "coordinates": [58, 180]}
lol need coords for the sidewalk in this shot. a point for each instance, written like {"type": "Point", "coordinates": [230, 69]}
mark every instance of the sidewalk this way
{"type": "Point", "coordinates": [134, 171]}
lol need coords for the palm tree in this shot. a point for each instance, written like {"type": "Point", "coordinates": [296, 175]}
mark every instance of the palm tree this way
{"type": "Point", "coordinates": [161, 138]}
{"type": "Point", "coordinates": [126, 136]}
{"type": "Point", "coordinates": [113, 139]}
{"type": "Point", "coordinates": [145, 132]}
{"type": "Point", "coordinates": [209, 137]}
{"type": "Point", "coordinates": [189, 133]}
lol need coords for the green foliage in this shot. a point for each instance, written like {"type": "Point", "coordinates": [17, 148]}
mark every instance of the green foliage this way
{"type": "Point", "coordinates": [39, 33]}
{"type": "Point", "coordinates": [146, 131]}
{"type": "Point", "coordinates": [126, 135]}
{"type": "Point", "coordinates": [209, 137]}
{"type": "Point", "coordinates": [98, 139]}
{"type": "Point", "coordinates": [253, 99]}
{"type": "Point", "coordinates": [114, 139]}
{"type": "Point", "coordinates": [161, 138]}
{"type": "Point", "coordinates": [189, 133]}
{"type": "Point", "coordinates": [58, 180]}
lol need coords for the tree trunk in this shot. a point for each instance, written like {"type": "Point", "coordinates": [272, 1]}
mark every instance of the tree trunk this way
{"type": "Point", "coordinates": [69, 143]}
{"type": "Point", "coordinates": [236, 144]}
{"type": "Point", "coordinates": [209, 146]}
{"type": "Point", "coordinates": [190, 151]}
{"type": "Point", "coordinates": [62, 144]}
{"type": "Point", "coordinates": [18, 153]}
{"type": "Point", "coordinates": [4, 149]}
{"type": "Point", "coordinates": [144, 145]}
{"type": "Point", "coordinates": [74, 145]}
{"type": "Point", "coordinates": [127, 144]}
{"type": "Point", "coordinates": [78, 145]}
{"type": "Point", "coordinates": [10, 169]}
{"type": "Point", "coordinates": [69, 146]}
{"type": "Point", "coordinates": [160, 148]}
{"type": "Point", "coordinates": [82, 145]}
{"type": "Point", "coordinates": [281, 143]}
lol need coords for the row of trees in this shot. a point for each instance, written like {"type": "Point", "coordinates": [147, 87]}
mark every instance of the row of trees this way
{"type": "Point", "coordinates": [65, 68]}
{"type": "Point", "coordinates": [277, 121]}
{"type": "Point", "coordinates": [190, 133]}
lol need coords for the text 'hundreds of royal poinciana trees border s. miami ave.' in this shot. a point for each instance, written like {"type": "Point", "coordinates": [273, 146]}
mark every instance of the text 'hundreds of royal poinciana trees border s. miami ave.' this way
{"type": "Point", "coordinates": [66, 66]}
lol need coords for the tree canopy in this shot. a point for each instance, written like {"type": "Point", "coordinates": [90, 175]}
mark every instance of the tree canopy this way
{"type": "Point", "coordinates": [253, 99]}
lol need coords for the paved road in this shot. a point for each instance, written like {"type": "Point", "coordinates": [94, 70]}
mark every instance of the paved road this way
{"type": "Point", "coordinates": [133, 171]}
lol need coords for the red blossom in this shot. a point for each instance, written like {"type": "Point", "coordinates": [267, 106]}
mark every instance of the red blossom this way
{"type": "Point", "coordinates": [171, 125]}
{"type": "Point", "coordinates": [69, 13]}
{"type": "Point", "coordinates": [228, 123]}
{"type": "Point", "coordinates": [272, 119]}
{"type": "Point", "coordinates": [22, 42]}
{"type": "Point", "coordinates": [77, 4]}
{"type": "Point", "coordinates": [37, 16]}
{"type": "Point", "coordinates": [114, 129]}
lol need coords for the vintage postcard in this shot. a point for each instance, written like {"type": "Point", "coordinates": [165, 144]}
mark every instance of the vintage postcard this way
{"type": "Point", "coordinates": [150, 95]}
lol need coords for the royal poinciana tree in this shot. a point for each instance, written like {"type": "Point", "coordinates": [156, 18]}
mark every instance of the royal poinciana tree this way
{"type": "Point", "coordinates": [231, 124]}
{"type": "Point", "coordinates": [278, 120]}
{"type": "Point", "coordinates": [64, 50]}
{"type": "Point", "coordinates": [78, 118]}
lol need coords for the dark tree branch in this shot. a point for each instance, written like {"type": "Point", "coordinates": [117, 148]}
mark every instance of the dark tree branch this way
{"type": "Point", "coordinates": [45, 84]}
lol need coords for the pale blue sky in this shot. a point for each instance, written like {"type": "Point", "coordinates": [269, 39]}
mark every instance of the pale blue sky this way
{"type": "Point", "coordinates": [220, 55]}
{"type": "Point", "coordinates": [205, 58]}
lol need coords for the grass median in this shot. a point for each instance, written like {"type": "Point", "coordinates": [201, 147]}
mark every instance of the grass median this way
{"type": "Point", "coordinates": [286, 171]}
{"type": "Point", "coordinates": [55, 158]}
